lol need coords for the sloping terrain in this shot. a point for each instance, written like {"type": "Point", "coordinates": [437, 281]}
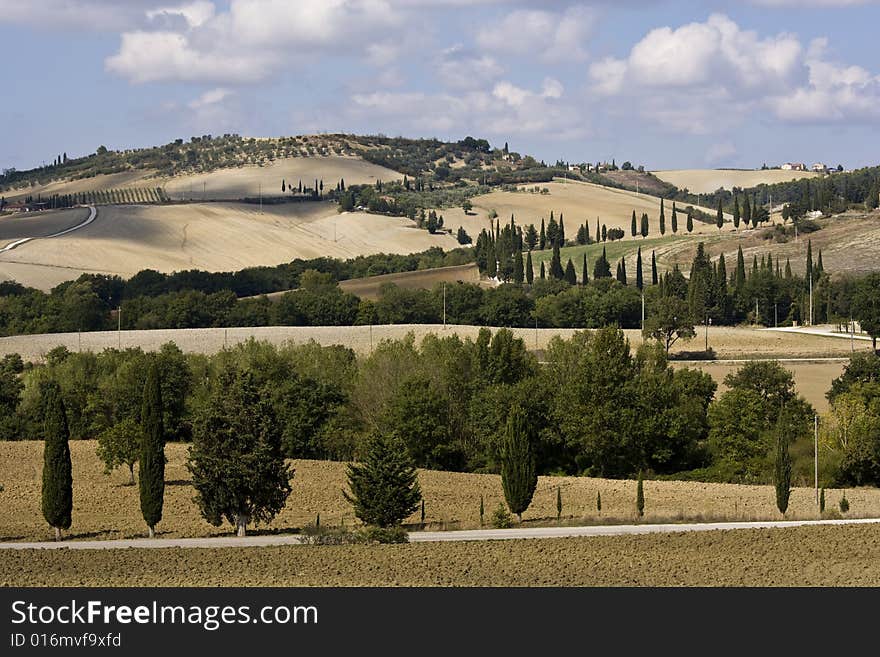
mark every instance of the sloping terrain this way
{"type": "Point", "coordinates": [211, 236]}
{"type": "Point", "coordinates": [706, 181]}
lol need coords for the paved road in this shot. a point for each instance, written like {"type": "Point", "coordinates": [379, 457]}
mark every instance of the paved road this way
{"type": "Point", "coordinates": [436, 537]}
{"type": "Point", "coordinates": [93, 213]}
{"type": "Point", "coordinates": [815, 330]}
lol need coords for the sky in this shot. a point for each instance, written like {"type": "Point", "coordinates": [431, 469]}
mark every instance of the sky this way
{"type": "Point", "coordinates": [665, 84]}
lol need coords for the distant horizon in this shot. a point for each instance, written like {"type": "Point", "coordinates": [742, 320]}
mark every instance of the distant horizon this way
{"type": "Point", "coordinates": [668, 84]}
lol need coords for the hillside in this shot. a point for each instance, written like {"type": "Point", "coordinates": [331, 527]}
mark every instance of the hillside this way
{"type": "Point", "coordinates": [211, 236]}
{"type": "Point", "coordinates": [707, 181]}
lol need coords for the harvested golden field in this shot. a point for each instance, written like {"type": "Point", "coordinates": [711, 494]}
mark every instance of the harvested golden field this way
{"type": "Point", "coordinates": [228, 184]}
{"type": "Point", "coordinates": [706, 181]}
{"type": "Point", "coordinates": [799, 556]}
{"type": "Point", "coordinates": [579, 202]}
{"type": "Point", "coordinates": [105, 507]}
{"type": "Point", "coordinates": [211, 236]}
{"type": "Point", "coordinates": [728, 342]}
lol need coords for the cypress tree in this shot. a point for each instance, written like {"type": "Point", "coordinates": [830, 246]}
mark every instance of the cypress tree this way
{"type": "Point", "coordinates": [719, 218]}
{"type": "Point", "coordinates": [519, 475]}
{"type": "Point", "coordinates": [152, 458]}
{"type": "Point", "coordinates": [598, 234]}
{"type": "Point", "coordinates": [645, 225]}
{"type": "Point", "coordinates": [809, 275]}
{"type": "Point", "coordinates": [482, 510]}
{"type": "Point", "coordinates": [782, 465]}
{"type": "Point", "coordinates": [585, 276]}
{"type": "Point", "coordinates": [587, 232]}
{"type": "Point", "coordinates": [674, 219]}
{"type": "Point", "coordinates": [542, 240]}
{"type": "Point", "coordinates": [598, 501]}
{"type": "Point", "coordinates": [492, 260]}
{"type": "Point", "coordinates": [604, 233]}
{"type": "Point", "coordinates": [822, 500]}
{"type": "Point", "coordinates": [662, 218]}
{"type": "Point", "coordinates": [570, 275]}
{"type": "Point", "coordinates": [740, 279]}
{"type": "Point", "coordinates": [820, 268]}
{"type": "Point", "coordinates": [617, 275]}
{"type": "Point", "coordinates": [736, 211]}
{"type": "Point", "coordinates": [690, 222]}
{"type": "Point", "coordinates": [556, 270]}
{"type": "Point", "coordinates": [543, 272]}
{"type": "Point", "coordinates": [640, 281]}
{"type": "Point", "coordinates": [602, 268]}
{"type": "Point", "coordinates": [518, 268]}
{"type": "Point", "coordinates": [788, 273]}
{"type": "Point", "coordinates": [654, 268]}
{"type": "Point", "coordinates": [640, 496]}
{"type": "Point", "coordinates": [746, 211]}
{"type": "Point", "coordinates": [623, 271]}
{"type": "Point", "coordinates": [633, 227]}
{"type": "Point", "coordinates": [561, 230]}
{"type": "Point", "coordinates": [530, 270]}
{"type": "Point", "coordinates": [57, 502]}
{"type": "Point", "coordinates": [558, 504]}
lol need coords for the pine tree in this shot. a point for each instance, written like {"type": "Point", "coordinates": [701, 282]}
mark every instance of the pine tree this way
{"type": "Point", "coordinates": [640, 281]}
{"type": "Point", "coordinates": [530, 270]}
{"type": "Point", "coordinates": [662, 218]}
{"type": "Point", "coordinates": [237, 465]}
{"type": "Point", "coordinates": [585, 276]}
{"type": "Point", "coordinates": [674, 219]}
{"type": "Point", "coordinates": [640, 495]}
{"type": "Point", "coordinates": [570, 274]}
{"type": "Point", "coordinates": [690, 222]}
{"type": "Point", "coordinates": [384, 487]}
{"type": "Point", "coordinates": [57, 502]}
{"type": "Point", "coordinates": [543, 236]}
{"type": "Point", "coordinates": [152, 458]}
{"type": "Point", "coordinates": [519, 475]}
{"type": "Point", "coordinates": [634, 227]}
{"type": "Point", "coordinates": [654, 276]}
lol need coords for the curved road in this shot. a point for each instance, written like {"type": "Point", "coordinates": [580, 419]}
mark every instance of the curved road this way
{"type": "Point", "coordinates": [436, 537]}
{"type": "Point", "coordinates": [93, 213]}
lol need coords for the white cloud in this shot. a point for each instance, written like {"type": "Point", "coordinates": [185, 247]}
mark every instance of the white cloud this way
{"type": "Point", "coordinates": [194, 13]}
{"type": "Point", "coordinates": [211, 97]}
{"type": "Point", "coordinates": [554, 36]}
{"type": "Point", "coordinates": [814, 3]}
{"type": "Point", "coordinates": [722, 151]}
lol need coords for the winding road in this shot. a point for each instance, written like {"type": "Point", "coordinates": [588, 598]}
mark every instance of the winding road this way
{"type": "Point", "coordinates": [437, 537]}
{"type": "Point", "coordinates": [93, 214]}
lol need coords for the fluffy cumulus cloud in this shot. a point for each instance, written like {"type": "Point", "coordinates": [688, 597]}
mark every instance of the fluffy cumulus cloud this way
{"type": "Point", "coordinates": [553, 36]}
{"type": "Point", "coordinates": [706, 77]}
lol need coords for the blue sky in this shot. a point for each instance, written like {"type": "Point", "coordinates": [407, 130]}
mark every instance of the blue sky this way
{"type": "Point", "coordinates": [667, 84]}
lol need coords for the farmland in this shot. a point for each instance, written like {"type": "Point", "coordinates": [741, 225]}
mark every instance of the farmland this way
{"type": "Point", "coordinates": [210, 236]}
{"type": "Point", "coordinates": [104, 507]}
{"type": "Point", "coordinates": [706, 181]}
{"type": "Point", "coordinates": [369, 287]}
{"type": "Point", "coordinates": [804, 556]}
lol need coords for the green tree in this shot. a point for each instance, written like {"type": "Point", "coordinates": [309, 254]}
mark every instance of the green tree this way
{"type": "Point", "coordinates": [866, 306]}
{"type": "Point", "coordinates": [585, 275]}
{"type": "Point", "coordinates": [602, 268]}
{"type": "Point", "coordinates": [598, 501]}
{"type": "Point", "coordinates": [558, 503]}
{"type": "Point", "coordinates": [645, 225]}
{"type": "Point", "coordinates": [690, 221]}
{"type": "Point", "coordinates": [674, 219]}
{"type": "Point", "coordinates": [518, 267]}
{"type": "Point", "coordinates": [542, 240]}
{"type": "Point", "coordinates": [152, 456]}
{"type": "Point", "coordinates": [669, 322]}
{"type": "Point", "coordinates": [530, 269]}
{"type": "Point", "coordinates": [120, 445]}
{"type": "Point", "coordinates": [570, 274]}
{"type": "Point", "coordinates": [654, 273]}
{"type": "Point", "coordinates": [736, 216]}
{"type": "Point", "coordinates": [719, 217]}
{"type": "Point", "coordinates": [467, 206]}
{"type": "Point", "coordinates": [782, 463]}
{"type": "Point", "coordinates": [236, 461]}
{"type": "Point", "coordinates": [519, 475]}
{"type": "Point", "coordinates": [633, 227]}
{"type": "Point", "coordinates": [640, 281]}
{"type": "Point", "coordinates": [57, 499]}
{"type": "Point", "coordinates": [384, 488]}
{"type": "Point", "coordinates": [662, 218]}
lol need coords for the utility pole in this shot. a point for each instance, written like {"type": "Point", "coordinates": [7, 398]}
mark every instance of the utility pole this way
{"type": "Point", "coordinates": [816, 456]}
{"type": "Point", "coordinates": [643, 311]}
{"type": "Point", "coordinates": [852, 335]}
{"type": "Point", "coordinates": [811, 299]}
{"type": "Point", "coordinates": [119, 327]}
{"type": "Point", "coordinates": [536, 333]}
{"type": "Point", "coordinates": [708, 322]}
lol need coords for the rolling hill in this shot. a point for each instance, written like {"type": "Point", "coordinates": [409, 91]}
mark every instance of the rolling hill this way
{"type": "Point", "coordinates": [706, 181]}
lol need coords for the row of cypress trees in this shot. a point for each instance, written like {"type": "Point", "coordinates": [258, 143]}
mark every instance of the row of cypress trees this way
{"type": "Point", "coordinates": [57, 493]}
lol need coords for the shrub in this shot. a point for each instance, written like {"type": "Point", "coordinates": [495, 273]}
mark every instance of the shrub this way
{"type": "Point", "coordinates": [501, 518]}
{"type": "Point", "coordinates": [385, 535]}
{"type": "Point", "coordinates": [844, 504]}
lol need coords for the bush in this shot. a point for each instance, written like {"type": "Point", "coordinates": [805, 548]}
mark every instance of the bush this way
{"type": "Point", "coordinates": [385, 535]}
{"type": "Point", "coordinates": [316, 535]}
{"type": "Point", "coordinates": [501, 518]}
{"type": "Point", "coordinates": [844, 504]}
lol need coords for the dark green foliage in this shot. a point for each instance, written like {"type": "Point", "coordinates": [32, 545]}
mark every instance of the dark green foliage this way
{"type": "Point", "coordinates": [152, 455]}
{"type": "Point", "coordinates": [519, 476]}
{"type": "Point", "coordinates": [558, 503]}
{"type": "Point", "coordinates": [384, 487]}
{"type": "Point", "coordinates": [57, 499]}
{"type": "Point", "coordinates": [822, 500]}
{"type": "Point", "coordinates": [236, 460]}
{"type": "Point", "coordinates": [422, 513]}
{"type": "Point", "coordinates": [602, 268]}
{"type": "Point", "coordinates": [782, 464]}
{"type": "Point", "coordinates": [690, 222]}
{"type": "Point", "coordinates": [482, 510]}
{"type": "Point", "coordinates": [719, 219]}
{"type": "Point", "coordinates": [598, 501]}
{"type": "Point", "coordinates": [843, 505]}
{"type": "Point", "coordinates": [530, 269]}
{"type": "Point", "coordinates": [654, 273]}
{"type": "Point", "coordinates": [640, 496]}
{"type": "Point", "coordinates": [640, 281]}
{"type": "Point", "coordinates": [501, 517]}
{"type": "Point", "coordinates": [570, 274]}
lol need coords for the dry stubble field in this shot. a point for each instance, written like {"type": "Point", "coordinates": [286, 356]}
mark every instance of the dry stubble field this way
{"type": "Point", "coordinates": [804, 556]}
{"type": "Point", "coordinates": [104, 507]}
{"type": "Point", "coordinates": [706, 181]}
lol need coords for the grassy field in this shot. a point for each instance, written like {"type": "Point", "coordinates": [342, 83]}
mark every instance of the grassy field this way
{"type": "Point", "coordinates": [706, 181]}
{"type": "Point", "coordinates": [804, 556]}
{"type": "Point", "coordinates": [369, 287]}
{"type": "Point", "coordinates": [210, 236]}
{"type": "Point", "coordinates": [105, 507]}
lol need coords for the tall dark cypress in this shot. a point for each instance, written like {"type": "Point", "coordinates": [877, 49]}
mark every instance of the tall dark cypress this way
{"type": "Point", "coordinates": [674, 219]}
{"type": "Point", "coordinates": [809, 275]}
{"type": "Point", "coordinates": [556, 270]}
{"type": "Point", "coordinates": [690, 222]}
{"type": "Point", "coordinates": [662, 218]}
{"type": "Point", "coordinates": [152, 459]}
{"type": "Point", "coordinates": [570, 274]}
{"type": "Point", "coordinates": [585, 276]}
{"type": "Point", "coordinates": [654, 268]}
{"type": "Point", "coordinates": [530, 270]}
{"type": "Point", "coordinates": [561, 234]}
{"type": "Point", "coordinates": [518, 268]}
{"type": "Point", "coordinates": [740, 269]}
{"type": "Point", "coordinates": [543, 272]}
{"type": "Point", "coordinates": [736, 216]}
{"type": "Point", "coordinates": [57, 499]}
{"type": "Point", "coordinates": [623, 271]}
{"type": "Point", "coordinates": [519, 475]}
{"type": "Point", "coordinates": [634, 228]}
{"type": "Point", "coordinates": [543, 236]}
{"type": "Point", "coordinates": [640, 281]}
{"type": "Point", "coordinates": [719, 218]}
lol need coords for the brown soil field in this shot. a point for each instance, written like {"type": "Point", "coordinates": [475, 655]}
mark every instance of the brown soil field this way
{"type": "Point", "coordinates": [579, 202]}
{"type": "Point", "coordinates": [706, 181]}
{"type": "Point", "coordinates": [211, 236]}
{"type": "Point", "coordinates": [228, 184]}
{"type": "Point", "coordinates": [368, 288]}
{"type": "Point", "coordinates": [104, 507]}
{"type": "Point", "coordinates": [801, 556]}
{"type": "Point", "coordinates": [728, 342]}
{"type": "Point", "coordinates": [813, 379]}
